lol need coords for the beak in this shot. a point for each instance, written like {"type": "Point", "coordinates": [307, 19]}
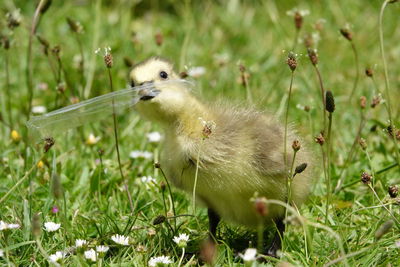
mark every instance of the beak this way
{"type": "Point", "coordinates": [148, 93]}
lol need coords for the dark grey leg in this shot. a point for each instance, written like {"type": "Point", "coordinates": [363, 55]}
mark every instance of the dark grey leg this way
{"type": "Point", "coordinates": [277, 240]}
{"type": "Point", "coordinates": [213, 220]}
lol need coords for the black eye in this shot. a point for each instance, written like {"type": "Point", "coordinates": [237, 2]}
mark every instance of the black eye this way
{"type": "Point", "coordinates": [132, 82]}
{"type": "Point", "coordinates": [163, 75]}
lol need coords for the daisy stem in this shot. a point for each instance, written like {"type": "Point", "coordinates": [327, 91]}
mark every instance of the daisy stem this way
{"type": "Point", "coordinates": [181, 259]}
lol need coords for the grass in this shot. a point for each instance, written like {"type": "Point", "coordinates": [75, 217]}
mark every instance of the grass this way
{"type": "Point", "coordinates": [92, 199]}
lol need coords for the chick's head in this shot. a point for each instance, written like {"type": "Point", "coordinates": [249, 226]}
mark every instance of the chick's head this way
{"type": "Point", "coordinates": [161, 99]}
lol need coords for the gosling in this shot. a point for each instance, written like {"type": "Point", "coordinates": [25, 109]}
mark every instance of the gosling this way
{"type": "Point", "coordinates": [241, 155]}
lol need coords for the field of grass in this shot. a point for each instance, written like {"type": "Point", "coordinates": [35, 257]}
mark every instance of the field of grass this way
{"type": "Point", "coordinates": [48, 60]}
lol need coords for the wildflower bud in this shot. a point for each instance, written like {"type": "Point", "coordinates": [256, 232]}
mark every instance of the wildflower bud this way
{"type": "Point", "coordinates": [308, 41]}
{"type": "Point", "coordinates": [40, 165]}
{"type": "Point", "coordinates": [163, 185]}
{"type": "Point", "coordinates": [208, 128]}
{"type": "Point", "coordinates": [366, 178]}
{"type": "Point", "coordinates": [362, 143]}
{"type": "Point", "coordinates": [296, 145]}
{"type": "Point", "coordinates": [183, 75]}
{"type": "Point", "coordinates": [74, 26]}
{"type": "Point", "coordinates": [346, 34]}
{"type": "Point", "coordinates": [312, 54]}
{"type": "Point", "coordinates": [320, 139]}
{"type": "Point", "coordinates": [393, 191]}
{"type": "Point", "coordinates": [151, 232]}
{"type": "Point", "coordinates": [13, 19]}
{"type": "Point", "coordinates": [56, 186]}
{"type": "Point", "coordinates": [56, 51]}
{"type": "Point", "coordinates": [48, 143]}
{"type": "Point", "coordinates": [36, 229]}
{"type": "Point", "coordinates": [363, 102]}
{"type": "Point", "coordinates": [15, 136]}
{"type": "Point", "coordinates": [329, 102]}
{"type": "Point", "coordinates": [108, 60]}
{"type": "Point", "coordinates": [298, 20]}
{"type": "Point", "coordinates": [260, 206]}
{"type": "Point", "coordinates": [398, 135]}
{"type": "Point", "coordinates": [159, 38]}
{"type": "Point", "coordinates": [61, 87]}
{"type": "Point", "coordinates": [390, 130]}
{"type": "Point", "coordinates": [369, 72]}
{"type": "Point", "coordinates": [159, 219]}
{"type": "Point", "coordinates": [157, 165]}
{"type": "Point", "coordinates": [45, 6]}
{"type": "Point", "coordinates": [300, 168]}
{"type": "Point", "coordinates": [74, 100]}
{"type": "Point", "coordinates": [128, 62]}
{"type": "Point", "coordinates": [291, 61]}
{"type": "Point", "coordinates": [376, 100]}
{"type": "Point", "coordinates": [208, 252]}
{"type": "Point", "coordinates": [307, 108]}
{"type": "Point", "coordinates": [383, 229]}
{"type": "Point", "coordinates": [5, 42]}
{"type": "Point", "coordinates": [100, 151]}
{"type": "Point", "coordinates": [242, 68]}
{"type": "Point", "coordinates": [55, 209]}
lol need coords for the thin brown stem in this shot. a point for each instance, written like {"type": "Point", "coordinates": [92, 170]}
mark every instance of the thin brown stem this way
{"type": "Point", "coordinates": [321, 85]}
{"type": "Point", "coordinates": [353, 47]}
{"type": "Point", "coordinates": [29, 70]}
{"type": "Point", "coordinates": [117, 146]}
{"type": "Point", "coordinates": [8, 90]}
{"type": "Point", "coordinates": [387, 84]}
{"type": "Point", "coordinates": [286, 120]}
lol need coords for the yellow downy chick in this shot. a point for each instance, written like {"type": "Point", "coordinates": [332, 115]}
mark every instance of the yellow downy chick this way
{"type": "Point", "coordinates": [242, 155]}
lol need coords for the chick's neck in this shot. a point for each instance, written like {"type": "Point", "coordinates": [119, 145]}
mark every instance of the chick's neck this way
{"type": "Point", "coordinates": [188, 122]}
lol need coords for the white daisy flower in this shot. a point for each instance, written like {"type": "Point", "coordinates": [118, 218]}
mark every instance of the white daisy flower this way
{"type": "Point", "coordinates": [90, 255]}
{"type": "Point", "coordinates": [196, 72]}
{"type": "Point", "coordinates": [159, 261]}
{"type": "Point", "coordinates": [181, 240]}
{"type": "Point", "coordinates": [102, 249]}
{"type": "Point", "coordinates": [141, 154]}
{"type": "Point", "coordinates": [51, 226]}
{"type": "Point", "coordinates": [294, 11]}
{"type": "Point", "coordinates": [6, 226]}
{"type": "Point", "coordinates": [154, 137]}
{"type": "Point", "coordinates": [13, 226]}
{"type": "Point", "coordinates": [80, 243]}
{"type": "Point", "coordinates": [39, 109]}
{"type": "Point", "coordinates": [249, 255]}
{"type": "Point", "coordinates": [121, 240]}
{"type": "Point", "coordinates": [3, 226]}
{"type": "Point", "coordinates": [55, 258]}
{"type": "Point", "coordinates": [148, 180]}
